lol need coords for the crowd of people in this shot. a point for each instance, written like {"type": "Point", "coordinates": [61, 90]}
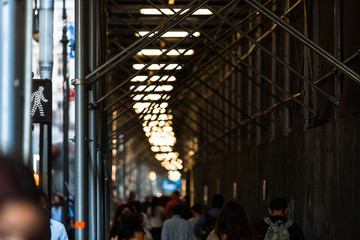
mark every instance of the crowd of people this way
{"type": "Point", "coordinates": [171, 218]}
{"type": "Point", "coordinates": [26, 215]}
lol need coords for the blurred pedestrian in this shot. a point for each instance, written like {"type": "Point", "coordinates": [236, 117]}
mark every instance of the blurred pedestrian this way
{"type": "Point", "coordinates": [232, 224]}
{"type": "Point", "coordinates": [196, 210]}
{"type": "Point", "coordinates": [157, 214]}
{"type": "Point", "coordinates": [278, 224]}
{"type": "Point", "coordinates": [58, 231]}
{"type": "Point", "coordinates": [177, 228]}
{"type": "Point", "coordinates": [20, 214]}
{"type": "Point", "coordinates": [121, 211]}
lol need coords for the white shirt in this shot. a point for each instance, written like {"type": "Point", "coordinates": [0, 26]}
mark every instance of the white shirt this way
{"type": "Point", "coordinates": [58, 231]}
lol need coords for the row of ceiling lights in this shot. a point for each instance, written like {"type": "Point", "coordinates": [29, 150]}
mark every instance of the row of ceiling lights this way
{"type": "Point", "coordinates": [157, 119]}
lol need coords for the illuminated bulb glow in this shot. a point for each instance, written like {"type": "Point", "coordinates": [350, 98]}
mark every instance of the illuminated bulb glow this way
{"type": "Point", "coordinates": [152, 176]}
{"type": "Point", "coordinates": [169, 34]}
{"type": "Point", "coordinates": [165, 78]}
{"type": "Point", "coordinates": [151, 97]}
{"type": "Point", "coordinates": [174, 176]}
{"type": "Point", "coordinates": [158, 66]}
{"type": "Point", "coordinates": [173, 52]}
{"type": "Point", "coordinates": [167, 11]}
{"type": "Point", "coordinates": [149, 88]}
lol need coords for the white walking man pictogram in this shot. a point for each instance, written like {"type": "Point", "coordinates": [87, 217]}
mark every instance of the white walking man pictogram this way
{"type": "Point", "coordinates": [39, 96]}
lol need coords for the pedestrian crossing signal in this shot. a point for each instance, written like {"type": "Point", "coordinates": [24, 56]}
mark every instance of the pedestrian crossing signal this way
{"type": "Point", "coordinates": [41, 101]}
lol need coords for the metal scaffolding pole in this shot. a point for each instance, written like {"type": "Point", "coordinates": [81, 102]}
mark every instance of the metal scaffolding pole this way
{"type": "Point", "coordinates": [338, 18]}
{"type": "Point", "coordinates": [66, 89]}
{"type": "Point", "coordinates": [46, 64]}
{"type": "Point", "coordinates": [101, 130]}
{"type": "Point", "coordinates": [286, 129]}
{"type": "Point", "coordinates": [274, 49]}
{"type": "Point", "coordinates": [138, 45]}
{"type": "Point", "coordinates": [331, 98]}
{"type": "Point", "coordinates": [81, 120]}
{"type": "Point", "coordinates": [92, 171]}
{"type": "Point", "coordinates": [316, 48]}
{"type": "Point", "coordinates": [27, 135]}
{"type": "Point", "coordinates": [12, 75]}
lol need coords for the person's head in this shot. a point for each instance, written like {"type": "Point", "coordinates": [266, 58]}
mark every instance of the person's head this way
{"type": "Point", "coordinates": [175, 195]}
{"type": "Point", "coordinates": [217, 201]}
{"type": "Point", "coordinates": [57, 198]}
{"type": "Point", "coordinates": [121, 211]}
{"type": "Point", "coordinates": [178, 209]}
{"type": "Point", "coordinates": [136, 205]}
{"type": "Point", "coordinates": [43, 200]}
{"type": "Point", "coordinates": [232, 224]}
{"type": "Point", "coordinates": [278, 206]}
{"type": "Point", "coordinates": [130, 228]}
{"type": "Point", "coordinates": [20, 214]}
{"type": "Point", "coordinates": [196, 209]}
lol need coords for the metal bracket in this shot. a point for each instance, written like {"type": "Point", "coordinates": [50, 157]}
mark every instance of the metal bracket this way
{"type": "Point", "coordinates": [81, 81]}
{"type": "Point", "coordinates": [93, 106]}
{"type": "Point", "coordinates": [72, 139]}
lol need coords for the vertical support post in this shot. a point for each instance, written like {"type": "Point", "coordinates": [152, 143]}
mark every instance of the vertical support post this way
{"type": "Point", "coordinates": [80, 120]}
{"type": "Point", "coordinates": [287, 74]}
{"type": "Point", "coordinates": [338, 9]}
{"type": "Point", "coordinates": [316, 39]}
{"type": "Point", "coordinates": [46, 64]}
{"type": "Point", "coordinates": [306, 74]}
{"type": "Point", "coordinates": [12, 75]}
{"type": "Point", "coordinates": [258, 80]}
{"type": "Point", "coordinates": [107, 198]}
{"type": "Point", "coordinates": [27, 136]}
{"type": "Point", "coordinates": [66, 89]}
{"type": "Point", "coordinates": [238, 78]}
{"type": "Point", "coordinates": [274, 50]}
{"type": "Point", "coordinates": [46, 38]}
{"type": "Point", "coordinates": [250, 85]}
{"type": "Point", "coordinates": [100, 33]}
{"type": "Point", "coordinates": [92, 127]}
{"type": "Point", "coordinates": [92, 169]}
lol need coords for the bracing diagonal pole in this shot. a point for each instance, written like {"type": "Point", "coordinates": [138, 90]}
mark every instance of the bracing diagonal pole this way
{"type": "Point", "coordinates": [139, 44]}
{"type": "Point", "coordinates": [331, 98]}
{"type": "Point", "coordinates": [314, 47]}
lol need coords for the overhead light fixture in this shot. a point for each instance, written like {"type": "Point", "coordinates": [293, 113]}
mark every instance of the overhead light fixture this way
{"type": "Point", "coordinates": [148, 97]}
{"type": "Point", "coordinates": [158, 66]}
{"type": "Point", "coordinates": [171, 2]}
{"type": "Point", "coordinates": [155, 78]}
{"type": "Point", "coordinates": [174, 176]}
{"type": "Point", "coordinates": [169, 34]}
{"type": "Point", "coordinates": [150, 88]}
{"type": "Point", "coordinates": [173, 52]}
{"type": "Point", "coordinates": [167, 11]}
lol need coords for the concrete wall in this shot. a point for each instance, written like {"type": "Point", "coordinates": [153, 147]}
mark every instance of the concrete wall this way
{"type": "Point", "coordinates": [318, 170]}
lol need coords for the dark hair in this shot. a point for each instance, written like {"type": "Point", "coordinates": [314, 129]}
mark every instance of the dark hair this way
{"type": "Point", "coordinates": [117, 218]}
{"type": "Point", "coordinates": [136, 205]}
{"type": "Point", "coordinates": [217, 201]}
{"type": "Point", "coordinates": [197, 207]}
{"type": "Point", "coordinates": [130, 224]}
{"type": "Point", "coordinates": [278, 204]}
{"type": "Point", "coordinates": [233, 222]}
{"type": "Point", "coordinates": [177, 193]}
{"type": "Point", "coordinates": [16, 182]}
{"type": "Point", "coordinates": [178, 209]}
